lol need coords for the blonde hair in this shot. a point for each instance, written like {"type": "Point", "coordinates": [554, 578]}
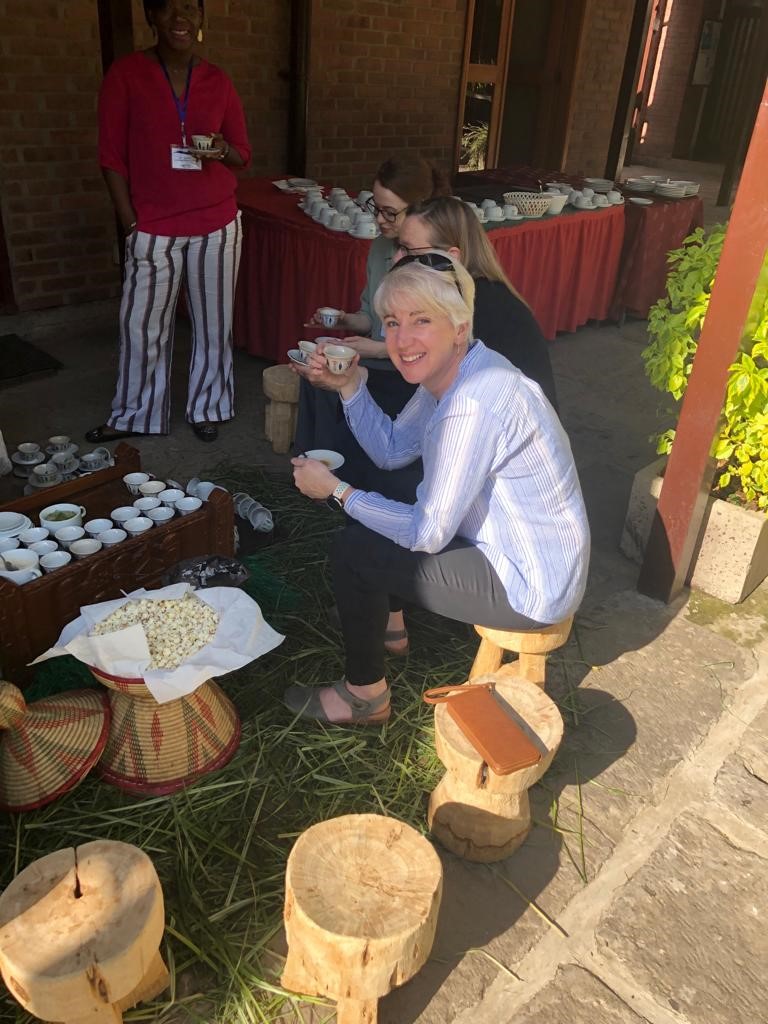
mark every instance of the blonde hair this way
{"type": "Point", "coordinates": [450, 292]}
{"type": "Point", "coordinates": [452, 224]}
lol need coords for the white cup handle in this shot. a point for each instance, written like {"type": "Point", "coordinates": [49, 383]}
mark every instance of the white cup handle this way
{"type": "Point", "coordinates": [83, 513]}
{"type": "Point", "coordinates": [36, 573]}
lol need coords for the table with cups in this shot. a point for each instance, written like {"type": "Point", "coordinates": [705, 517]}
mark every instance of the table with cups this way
{"type": "Point", "coordinates": [92, 538]}
{"type": "Point", "coordinates": [299, 253]}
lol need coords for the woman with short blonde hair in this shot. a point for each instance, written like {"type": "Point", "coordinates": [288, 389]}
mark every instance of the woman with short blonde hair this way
{"type": "Point", "coordinates": [497, 535]}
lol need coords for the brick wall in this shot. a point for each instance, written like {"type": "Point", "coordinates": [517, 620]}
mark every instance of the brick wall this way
{"type": "Point", "coordinates": [680, 41]}
{"type": "Point", "coordinates": [57, 218]}
{"type": "Point", "coordinates": [598, 76]}
{"type": "Point", "coordinates": [384, 80]}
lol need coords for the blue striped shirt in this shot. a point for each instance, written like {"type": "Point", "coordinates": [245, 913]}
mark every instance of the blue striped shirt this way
{"type": "Point", "coordinates": [498, 471]}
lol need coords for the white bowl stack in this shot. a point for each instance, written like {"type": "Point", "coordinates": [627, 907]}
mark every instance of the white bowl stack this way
{"type": "Point", "coordinates": [670, 189]}
{"type": "Point", "coordinates": [599, 184]}
{"type": "Point", "coordinates": [641, 185]}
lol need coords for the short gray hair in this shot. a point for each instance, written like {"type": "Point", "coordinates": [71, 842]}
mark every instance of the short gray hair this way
{"type": "Point", "coordinates": [451, 293]}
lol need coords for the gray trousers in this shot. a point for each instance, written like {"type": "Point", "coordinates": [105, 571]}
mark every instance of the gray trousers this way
{"type": "Point", "coordinates": [155, 267]}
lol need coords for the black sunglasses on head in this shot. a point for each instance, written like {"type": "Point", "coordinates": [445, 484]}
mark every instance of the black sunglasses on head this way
{"type": "Point", "coordinates": [433, 260]}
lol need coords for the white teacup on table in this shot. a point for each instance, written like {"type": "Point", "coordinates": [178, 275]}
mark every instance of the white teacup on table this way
{"type": "Point", "coordinates": [510, 211]}
{"type": "Point", "coordinates": [143, 505]}
{"type": "Point", "coordinates": [28, 451]}
{"type": "Point", "coordinates": [307, 347]}
{"type": "Point", "coordinates": [20, 558]}
{"type": "Point", "coordinates": [44, 547]}
{"type": "Point", "coordinates": [91, 462]}
{"type": "Point", "coordinates": [59, 442]}
{"type": "Point", "coordinates": [85, 547]}
{"type": "Point", "coordinates": [122, 514]}
{"type": "Point", "coordinates": [494, 213]}
{"type": "Point", "coordinates": [134, 480]}
{"type": "Point", "coordinates": [68, 535]}
{"type": "Point", "coordinates": [138, 525]}
{"type": "Point", "coordinates": [161, 514]}
{"type": "Point", "coordinates": [188, 504]}
{"type": "Point", "coordinates": [94, 527]}
{"type": "Point", "coordinates": [33, 536]}
{"type": "Point", "coordinates": [111, 537]}
{"type": "Point", "coordinates": [65, 462]}
{"type": "Point", "coordinates": [9, 544]}
{"type": "Point", "coordinates": [55, 560]}
{"type": "Point", "coordinates": [152, 488]}
{"type": "Point", "coordinates": [340, 222]}
{"type": "Point", "coordinates": [326, 215]}
{"type": "Point", "coordinates": [170, 496]}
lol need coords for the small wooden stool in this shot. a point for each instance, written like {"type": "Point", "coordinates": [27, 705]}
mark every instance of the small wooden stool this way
{"type": "Point", "coordinates": [532, 648]}
{"type": "Point", "coordinates": [80, 932]}
{"type": "Point", "coordinates": [362, 893]}
{"type": "Point", "coordinates": [473, 812]}
{"type": "Point", "coordinates": [281, 388]}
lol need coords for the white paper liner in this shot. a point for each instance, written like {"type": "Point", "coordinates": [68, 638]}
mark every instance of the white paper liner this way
{"type": "Point", "coordinates": [242, 636]}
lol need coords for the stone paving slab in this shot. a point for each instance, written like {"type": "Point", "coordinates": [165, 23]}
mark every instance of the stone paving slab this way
{"type": "Point", "coordinates": [742, 783]}
{"type": "Point", "coordinates": [689, 927]}
{"type": "Point", "coordinates": [575, 996]}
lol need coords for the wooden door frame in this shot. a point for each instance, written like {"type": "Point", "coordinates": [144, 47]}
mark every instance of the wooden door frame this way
{"type": "Point", "coordinates": [630, 79]}
{"type": "Point", "coordinates": [495, 74]}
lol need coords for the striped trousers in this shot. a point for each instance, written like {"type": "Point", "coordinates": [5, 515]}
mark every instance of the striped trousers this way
{"type": "Point", "coordinates": [155, 267]}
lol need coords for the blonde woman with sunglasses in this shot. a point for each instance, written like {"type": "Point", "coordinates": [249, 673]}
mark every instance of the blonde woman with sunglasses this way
{"type": "Point", "coordinates": [497, 535]}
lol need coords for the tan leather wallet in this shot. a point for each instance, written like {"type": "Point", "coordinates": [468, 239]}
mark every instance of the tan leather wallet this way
{"type": "Point", "coordinates": [495, 735]}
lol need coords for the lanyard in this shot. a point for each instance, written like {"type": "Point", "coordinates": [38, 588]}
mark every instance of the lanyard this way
{"type": "Point", "coordinates": [181, 105]}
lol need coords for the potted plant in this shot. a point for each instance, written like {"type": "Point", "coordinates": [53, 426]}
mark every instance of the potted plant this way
{"type": "Point", "coordinates": [732, 552]}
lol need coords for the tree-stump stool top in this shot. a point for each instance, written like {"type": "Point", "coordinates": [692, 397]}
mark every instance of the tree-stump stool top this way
{"type": "Point", "coordinates": [364, 876]}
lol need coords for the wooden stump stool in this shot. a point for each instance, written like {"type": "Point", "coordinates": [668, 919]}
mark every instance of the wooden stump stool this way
{"type": "Point", "coordinates": [532, 648]}
{"type": "Point", "coordinates": [80, 932]}
{"type": "Point", "coordinates": [362, 893]}
{"type": "Point", "coordinates": [473, 812]}
{"type": "Point", "coordinates": [281, 389]}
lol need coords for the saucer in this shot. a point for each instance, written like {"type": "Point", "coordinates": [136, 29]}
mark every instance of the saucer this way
{"type": "Point", "coordinates": [638, 201]}
{"type": "Point", "coordinates": [332, 228]}
{"type": "Point", "coordinates": [21, 521]}
{"type": "Point", "coordinates": [363, 238]}
{"type": "Point", "coordinates": [296, 356]}
{"type": "Point", "coordinates": [18, 459]}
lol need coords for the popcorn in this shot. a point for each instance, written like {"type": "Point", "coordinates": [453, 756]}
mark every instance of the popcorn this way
{"type": "Point", "coordinates": [175, 629]}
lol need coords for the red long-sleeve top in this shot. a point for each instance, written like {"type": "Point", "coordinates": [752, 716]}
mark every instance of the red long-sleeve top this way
{"type": "Point", "coordinates": [138, 123]}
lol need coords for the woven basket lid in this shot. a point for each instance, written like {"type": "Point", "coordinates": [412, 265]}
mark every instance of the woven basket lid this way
{"type": "Point", "coordinates": [47, 747]}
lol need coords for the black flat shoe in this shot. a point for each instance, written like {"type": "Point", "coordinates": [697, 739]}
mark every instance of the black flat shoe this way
{"type": "Point", "coordinates": [105, 433]}
{"type": "Point", "coordinates": [206, 431]}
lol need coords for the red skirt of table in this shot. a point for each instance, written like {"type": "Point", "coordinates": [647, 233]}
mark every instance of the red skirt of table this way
{"type": "Point", "coordinates": [565, 267]}
{"type": "Point", "coordinates": [651, 232]}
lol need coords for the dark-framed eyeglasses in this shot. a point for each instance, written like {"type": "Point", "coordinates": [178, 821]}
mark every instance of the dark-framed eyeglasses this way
{"type": "Point", "coordinates": [413, 250]}
{"type": "Point", "coordinates": [433, 260]}
{"type": "Point", "coordinates": [388, 215]}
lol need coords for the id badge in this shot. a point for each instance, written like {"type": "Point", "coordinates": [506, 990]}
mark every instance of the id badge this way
{"type": "Point", "coordinates": [182, 160]}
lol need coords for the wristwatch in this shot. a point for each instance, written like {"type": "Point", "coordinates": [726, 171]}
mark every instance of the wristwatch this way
{"type": "Point", "coordinates": [334, 499]}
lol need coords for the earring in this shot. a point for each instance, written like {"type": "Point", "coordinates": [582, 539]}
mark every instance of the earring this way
{"type": "Point", "coordinates": [199, 35]}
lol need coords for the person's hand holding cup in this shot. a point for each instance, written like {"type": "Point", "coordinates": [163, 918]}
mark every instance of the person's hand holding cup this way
{"type": "Point", "coordinates": [332, 366]}
{"type": "Point", "coordinates": [327, 316]}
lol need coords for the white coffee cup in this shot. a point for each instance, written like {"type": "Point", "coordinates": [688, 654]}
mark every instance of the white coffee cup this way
{"type": "Point", "coordinates": [133, 481]}
{"type": "Point", "coordinates": [44, 547]}
{"type": "Point", "coordinates": [329, 316]}
{"type": "Point", "coordinates": [85, 547]}
{"type": "Point", "coordinates": [326, 215]}
{"type": "Point", "coordinates": [487, 204]}
{"type": "Point", "coordinates": [588, 192]}
{"type": "Point", "coordinates": [20, 558]}
{"type": "Point", "coordinates": [21, 576]}
{"type": "Point", "coordinates": [30, 537]}
{"type": "Point", "coordinates": [96, 526]}
{"type": "Point", "coordinates": [307, 347]}
{"type": "Point", "coordinates": [151, 488]}
{"type": "Point", "coordinates": [55, 560]}
{"type": "Point", "coordinates": [186, 505]}
{"type": "Point", "coordinates": [170, 496]}
{"type": "Point", "coordinates": [69, 535]}
{"type": "Point", "coordinates": [338, 357]}
{"type": "Point", "coordinates": [28, 451]}
{"type": "Point", "coordinates": [367, 229]}
{"type": "Point", "coordinates": [161, 514]}
{"type": "Point", "coordinates": [494, 213]}
{"type": "Point", "coordinates": [202, 141]}
{"type": "Point", "coordinates": [613, 196]}
{"type": "Point", "coordinates": [510, 210]}
{"type": "Point", "coordinates": [75, 517]}
{"type": "Point", "coordinates": [9, 544]}
{"type": "Point", "coordinates": [122, 514]}
{"type": "Point", "coordinates": [341, 222]}
{"type": "Point", "coordinates": [137, 525]}
{"type": "Point", "coordinates": [145, 504]}
{"type": "Point", "coordinates": [59, 442]}
{"type": "Point", "coordinates": [91, 462]}
{"type": "Point", "coordinates": [111, 537]}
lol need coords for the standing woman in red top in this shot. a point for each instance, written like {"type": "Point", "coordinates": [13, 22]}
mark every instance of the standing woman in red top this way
{"type": "Point", "coordinates": [180, 217]}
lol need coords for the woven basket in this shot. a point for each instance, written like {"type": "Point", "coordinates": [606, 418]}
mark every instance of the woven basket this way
{"type": "Point", "coordinates": [155, 749]}
{"type": "Point", "coordinates": [529, 204]}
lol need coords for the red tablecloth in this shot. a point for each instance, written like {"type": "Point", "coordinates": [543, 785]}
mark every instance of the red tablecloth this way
{"type": "Point", "coordinates": [651, 232]}
{"type": "Point", "coordinates": [289, 266]}
{"type": "Point", "coordinates": [565, 266]}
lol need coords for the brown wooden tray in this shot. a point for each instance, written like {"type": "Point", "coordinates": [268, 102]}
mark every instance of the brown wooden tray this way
{"type": "Point", "coordinates": [33, 615]}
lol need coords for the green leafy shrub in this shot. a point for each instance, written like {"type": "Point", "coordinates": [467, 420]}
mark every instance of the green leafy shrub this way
{"type": "Point", "coordinates": [674, 324]}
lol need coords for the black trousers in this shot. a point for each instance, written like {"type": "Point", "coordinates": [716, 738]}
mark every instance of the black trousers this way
{"type": "Point", "coordinates": [458, 582]}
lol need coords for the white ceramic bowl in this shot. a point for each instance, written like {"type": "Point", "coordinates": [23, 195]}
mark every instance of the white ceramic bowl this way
{"type": "Point", "coordinates": [33, 536]}
{"type": "Point", "coordinates": [9, 544]}
{"type": "Point", "coordinates": [55, 560]}
{"type": "Point", "coordinates": [170, 496]}
{"type": "Point", "coordinates": [75, 517]}
{"type": "Point", "coordinates": [145, 504]}
{"type": "Point", "coordinates": [338, 357]}
{"type": "Point", "coordinates": [188, 504]}
{"type": "Point", "coordinates": [122, 514]}
{"type": "Point", "coordinates": [161, 514]}
{"type": "Point", "coordinates": [152, 488]}
{"type": "Point", "coordinates": [134, 480]}
{"type": "Point", "coordinates": [85, 547]}
{"type": "Point", "coordinates": [557, 204]}
{"type": "Point", "coordinates": [44, 547]}
{"type": "Point", "coordinates": [137, 525]}
{"type": "Point", "coordinates": [96, 526]}
{"type": "Point", "coordinates": [21, 558]}
{"type": "Point", "coordinates": [111, 537]}
{"type": "Point", "coordinates": [68, 535]}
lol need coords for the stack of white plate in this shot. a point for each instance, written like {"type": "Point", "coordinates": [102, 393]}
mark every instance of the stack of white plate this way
{"type": "Point", "coordinates": [599, 184]}
{"type": "Point", "coordinates": [12, 524]}
{"type": "Point", "coordinates": [639, 184]}
{"type": "Point", "coordinates": [691, 187]}
{"type": "Point", "coordinates": [670, 189]}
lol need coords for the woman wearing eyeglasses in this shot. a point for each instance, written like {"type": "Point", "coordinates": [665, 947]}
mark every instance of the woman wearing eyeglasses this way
{"type": "Point", "coordinates": [498, 533]}
{"type": "Point", "coordinates": [503, 319]}
{"type": "Point", "coordinates": [320, 423]}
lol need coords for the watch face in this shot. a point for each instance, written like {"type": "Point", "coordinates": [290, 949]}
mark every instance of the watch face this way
{"type": "Point", "coordinates": [335, 503]}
